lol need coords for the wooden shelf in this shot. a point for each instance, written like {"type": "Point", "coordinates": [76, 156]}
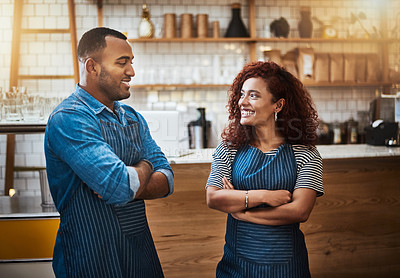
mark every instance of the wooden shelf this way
{"type": "Point", "coordinates": [322, 40]}
{"type": "Point", "coordinates": [171, 86]}
{"type": "Point", "coordinates": [223, 40]}
{"type": "Point", "coordinates": [46, 76]}
{"type": "Point", "coordinates": [307, 83]}
{"type": "Point", "coordinates": [45, 31]}
{"type": "Point", "coordinates": [255, 40]}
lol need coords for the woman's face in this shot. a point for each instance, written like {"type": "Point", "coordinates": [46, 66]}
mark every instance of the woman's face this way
{"type": "Point", "coordinates": [256, 104]}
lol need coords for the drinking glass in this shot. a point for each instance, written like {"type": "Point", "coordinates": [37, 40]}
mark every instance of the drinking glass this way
{"type": "Point", "coordinates": [31, 112]}
{"type": "Point", "coordinates": [19, 90]}
{"type": "Point", "coordinates": [12, 110]}
{"type": "Point", "coordinates": [1, 103]}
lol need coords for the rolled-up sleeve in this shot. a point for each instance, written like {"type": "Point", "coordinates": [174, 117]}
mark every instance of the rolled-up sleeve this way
{"type": "Point", "coordinates": [152, 152]}
{"type": "Point", "coordinates": [170, 178]}
{"type": "Point", "coordinates": [77, 140]}
{"type": "Point", "coordinates": [134, 182]}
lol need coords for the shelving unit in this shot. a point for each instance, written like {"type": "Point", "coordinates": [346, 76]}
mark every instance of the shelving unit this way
{"type": "Point", "coordinates": [253, 41]}
{"type": "Point", "coordinates": [16, 41]}
{"type": "Point", "coordinates": [15, 65]}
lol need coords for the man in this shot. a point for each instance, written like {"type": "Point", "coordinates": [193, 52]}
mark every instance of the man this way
{"type": "Point", "coordinates": [101, 164]}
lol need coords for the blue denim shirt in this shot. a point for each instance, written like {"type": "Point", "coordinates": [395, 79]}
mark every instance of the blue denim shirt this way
{"type": "Point", "coordinates": [76, 151]}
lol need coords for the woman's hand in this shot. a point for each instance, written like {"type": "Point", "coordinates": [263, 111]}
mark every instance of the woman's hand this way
{"type": "Point", "coordinates": [239, 215]}
{"type": "Point", "coordinates": [227, 184]}
{"type": "Point", "coordinates": [296, 211]}
{"type": "Point", "coordinates": [276, 198]}
{"type": "Point", "coordinates": [272, 198]}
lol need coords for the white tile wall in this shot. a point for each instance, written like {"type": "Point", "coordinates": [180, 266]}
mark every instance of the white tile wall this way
{"type": "Point", "coordinates": [168, 62]}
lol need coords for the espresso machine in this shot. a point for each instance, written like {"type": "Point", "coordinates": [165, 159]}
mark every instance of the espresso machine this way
{"type": "Point", "coordinates": [385, 112]}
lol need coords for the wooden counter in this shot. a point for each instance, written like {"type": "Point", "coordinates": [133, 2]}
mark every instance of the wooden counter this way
{"type": "Point", "coordinates": [353, 231]}
{"type": "Point", "coordinates": [189, 236]}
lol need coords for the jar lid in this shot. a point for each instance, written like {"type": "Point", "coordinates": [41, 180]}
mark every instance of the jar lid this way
{"type": "Point", "coordinates": [236, 6]}
{"type": "Point", "coordinates": [305, 9]}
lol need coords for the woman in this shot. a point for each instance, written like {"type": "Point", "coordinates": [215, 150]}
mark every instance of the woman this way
{"type": "Point", "coordinates": [266, 174]}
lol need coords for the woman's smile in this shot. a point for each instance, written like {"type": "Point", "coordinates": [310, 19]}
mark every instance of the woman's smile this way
{"type": "Point", "coordinates": [246, 113]}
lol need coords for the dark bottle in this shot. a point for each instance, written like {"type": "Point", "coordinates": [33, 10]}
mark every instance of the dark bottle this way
{"type": "Point", "coordinates": [351, 131]}
{"type": "Point", "coordinates": [305, 24]}
{"type": "Point", "coordinates": [199, 131]}
{"type": "Point", "coordinates": [236, 26]}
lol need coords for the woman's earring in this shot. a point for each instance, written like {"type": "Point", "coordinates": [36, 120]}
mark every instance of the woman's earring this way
{"type": "Point", "coordinates": [276, 116]}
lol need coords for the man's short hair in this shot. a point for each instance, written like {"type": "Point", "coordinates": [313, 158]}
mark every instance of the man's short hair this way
{"type": "Point", "coordinates": [94, 40]}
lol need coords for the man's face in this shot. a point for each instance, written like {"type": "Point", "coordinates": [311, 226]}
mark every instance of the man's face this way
{"type": "Point", "coordinates": [116, 69]}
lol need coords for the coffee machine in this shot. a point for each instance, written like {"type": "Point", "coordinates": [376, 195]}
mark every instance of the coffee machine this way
{"type": "Point", "coordinates": [382, 108]}
{"type": "Point", "coordinates": [385, 114]}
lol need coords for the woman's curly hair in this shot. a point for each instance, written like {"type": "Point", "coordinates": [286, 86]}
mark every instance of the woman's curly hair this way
{"type": "Point", "coordinates": [297, 121]}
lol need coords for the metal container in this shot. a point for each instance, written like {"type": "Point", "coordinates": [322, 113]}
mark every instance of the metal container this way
{"type": "Point", "coordinates": [197, 141]}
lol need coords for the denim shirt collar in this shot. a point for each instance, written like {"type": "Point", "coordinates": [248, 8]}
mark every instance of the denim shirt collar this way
{"type": "Point", "coordinates": [97, 106]}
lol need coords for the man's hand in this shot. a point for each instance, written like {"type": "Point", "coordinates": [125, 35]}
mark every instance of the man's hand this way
{"type": "Point", "coordinates": [98, 195]}
{"type": "Point", "coordinates": [144, 170]}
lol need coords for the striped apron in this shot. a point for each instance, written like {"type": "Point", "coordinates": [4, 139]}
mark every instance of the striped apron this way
{"type": "Point", "coordinates": [100, 240]}
{"type": "Point", "coordinates": [253, 250]}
